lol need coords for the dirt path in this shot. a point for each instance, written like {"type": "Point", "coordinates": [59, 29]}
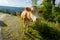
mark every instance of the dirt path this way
{"type": "Point", "coordinates": [1, 19]}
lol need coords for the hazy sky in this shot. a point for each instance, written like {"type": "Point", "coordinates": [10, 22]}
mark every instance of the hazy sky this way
{"type": "Point", "coordinates": [19, 3]}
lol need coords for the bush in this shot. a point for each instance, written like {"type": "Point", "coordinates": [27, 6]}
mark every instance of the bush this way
{"type": "Point", "coordinates": [58, 18]}
{"type": "Point", "coordinates": [45, 32]}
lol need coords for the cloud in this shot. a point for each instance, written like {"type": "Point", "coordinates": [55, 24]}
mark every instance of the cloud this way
{"type": "Point", "coordinates": [3, 1]}
{"type": "Point", "coordinates": [57, 2]}
{"type": "Point", "coordinates": [16, 3]}
{"type": "Point", "coordinates": [7, 3]}
{"type": "Point", "coordinates": [19, 3]}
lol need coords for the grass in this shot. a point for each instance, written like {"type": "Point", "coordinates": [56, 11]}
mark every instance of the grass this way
{"type": "Point", "coordinates": [14, 28]}
{"type": "Point", "coordinates": [46, 31]}
{"type": "Point", "coordinates": [42, 31]}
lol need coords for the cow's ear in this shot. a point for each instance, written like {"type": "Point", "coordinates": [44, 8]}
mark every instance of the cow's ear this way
{"type": "Point", "coordinates": [40, 11]}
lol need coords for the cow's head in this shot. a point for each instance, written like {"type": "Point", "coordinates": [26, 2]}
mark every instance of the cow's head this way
{"type": "Point", "coordinates": [28, 9]}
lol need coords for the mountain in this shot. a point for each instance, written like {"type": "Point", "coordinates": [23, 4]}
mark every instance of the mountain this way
{"type": "Point", "coordinates": [11, 9]}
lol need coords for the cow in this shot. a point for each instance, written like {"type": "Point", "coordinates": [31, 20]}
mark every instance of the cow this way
{"type": "Point", "coordinates": [25, 16]}
{"type": "Point", "coordinates": [34, 15]}
{"type": "Point", "coordinates": [28, 15]}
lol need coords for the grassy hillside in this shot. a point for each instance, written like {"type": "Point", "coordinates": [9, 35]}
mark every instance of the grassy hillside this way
{"type": "Point", "coordinates": [13, 30]}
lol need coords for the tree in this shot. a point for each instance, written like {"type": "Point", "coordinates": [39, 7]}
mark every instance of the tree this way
{"type": "Point", "coordinates": [53, 6]}
{"type": "Point", "coordinates": [34, 2]}
{"type": "Point", "coordinates": [47, 9]}
{"type": "Point", "coordinates": [53, 2]}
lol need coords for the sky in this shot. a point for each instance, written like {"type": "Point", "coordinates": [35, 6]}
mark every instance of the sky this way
{"type": "Point", "coordinates": [19, 3]}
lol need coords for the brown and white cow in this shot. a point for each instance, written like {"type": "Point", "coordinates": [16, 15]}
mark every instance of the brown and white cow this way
{"type": "Point", "coordinates": [29, 14]}
{"type": "Point", "coordinates": [34, 15]}
{"type": "Point", "coordinates": [25, 16]}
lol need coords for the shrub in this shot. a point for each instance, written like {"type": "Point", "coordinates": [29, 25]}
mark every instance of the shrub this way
{"type": "Point", "coordinates": [58, 18]}
{"type": "Point", "coordinates": [45, 31]}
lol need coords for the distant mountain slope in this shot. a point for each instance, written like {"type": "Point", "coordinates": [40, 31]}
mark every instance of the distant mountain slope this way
{"type": "Point", "coordinates": [11, 9]}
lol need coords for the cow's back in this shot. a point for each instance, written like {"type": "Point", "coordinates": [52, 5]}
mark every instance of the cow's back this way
{"type": "Point", "coordinates": [25, 15]}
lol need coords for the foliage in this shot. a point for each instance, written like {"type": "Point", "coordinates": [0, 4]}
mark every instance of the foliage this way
{"type": "Point", "coordinates": [34, 2]}
{"type": "Point", "coordinates": [37, 31]}
{"type": "Point", "coordinates": [50, 12]}
{"type": "Point", "coordinates": [43, 31]}
{"type": "Point", "coordinates": [47, 9]}
{"type": "Point", "coordinates": [58, 18]}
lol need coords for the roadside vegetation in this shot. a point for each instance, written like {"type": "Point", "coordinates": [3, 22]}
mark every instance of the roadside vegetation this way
{"type": "Point", "coordinates": [13, 30]}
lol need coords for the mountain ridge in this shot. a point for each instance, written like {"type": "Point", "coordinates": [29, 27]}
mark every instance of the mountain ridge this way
{"type": "Point", "coordinates": [11, 9]}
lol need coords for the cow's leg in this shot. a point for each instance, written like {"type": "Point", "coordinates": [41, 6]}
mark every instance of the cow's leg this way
{"type": "Point", "coordinates": [26, 26]}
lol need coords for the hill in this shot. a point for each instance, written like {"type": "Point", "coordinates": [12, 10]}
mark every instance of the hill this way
{"type": "Point", "coordinates": [11, 9]}
{"type": "Point", "coordinates": [12, 29]}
